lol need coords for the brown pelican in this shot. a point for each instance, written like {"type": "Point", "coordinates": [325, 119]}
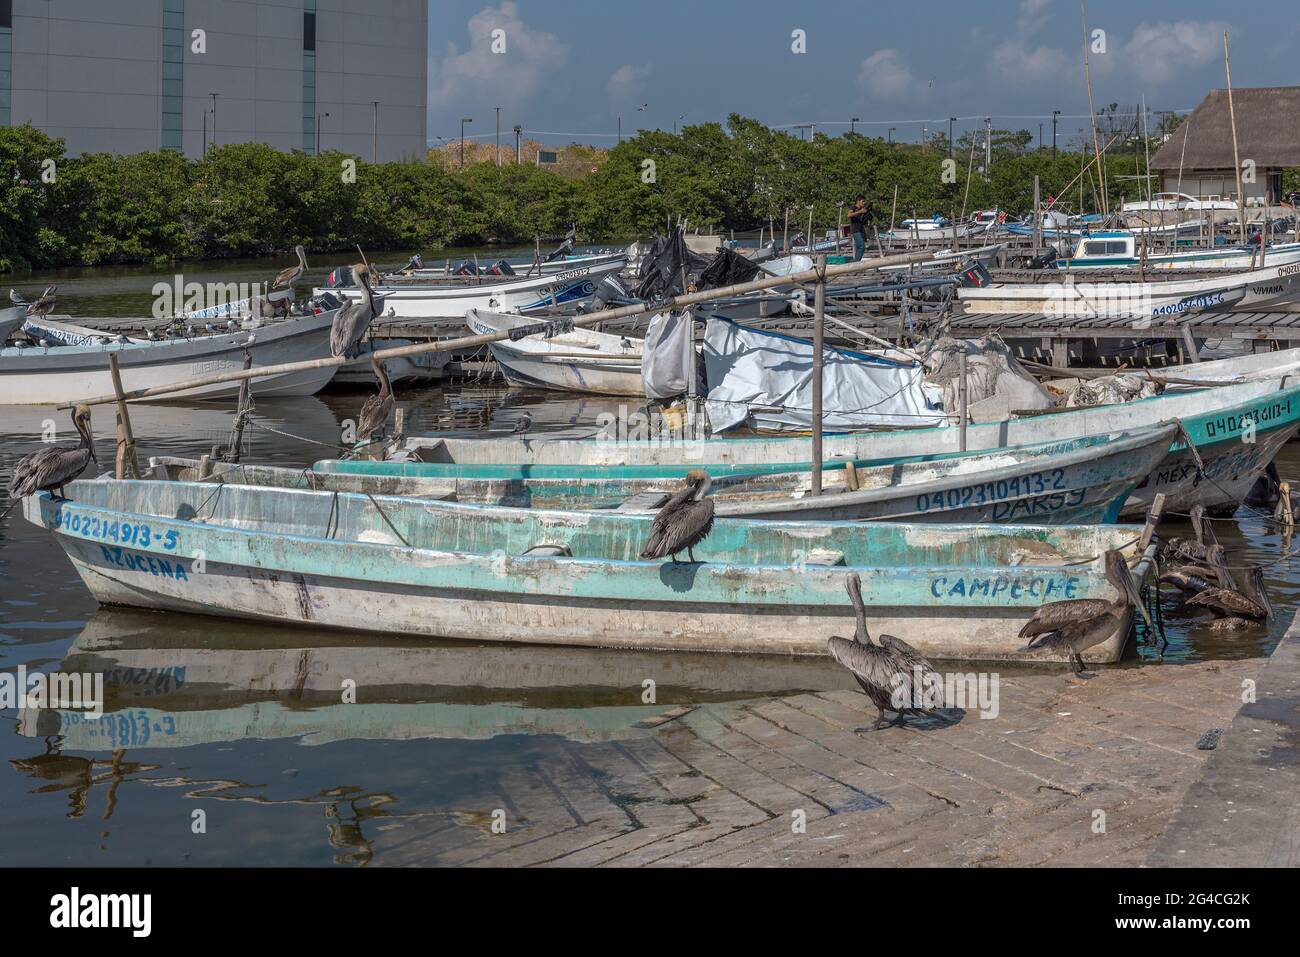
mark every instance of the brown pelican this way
{"type": "Point", "coordinates": [41, 307]}
{"type": "Point", "coordinates": [374, 414]}
{"type": "Point", "coordinates": [289, 276]}
{"type": "Point", "coordinates": [684, 521]}
{"type": "Point", "coordinates": [886, 673]}
{"type": "Point", "coordinates": [1181, 549]}
{"type": "Point", "coordinates": [354, 317]}
{"type": "Point", "coordinates": [53, 466]}
{"type": "Point", "coordinates": [1236, 608]}
{"type": "Point", "coordinates": [1072, 627]}
{"type": "Point", "coordinates": [1192, 578]}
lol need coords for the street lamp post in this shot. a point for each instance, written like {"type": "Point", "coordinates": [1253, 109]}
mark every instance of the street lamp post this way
{"type": "Point", "coordinates": [498, 109]}
{"type": "Point", "coordinates": [889, 136]}
{"type": "Point", "coordinates": [951, 121]}
{"type": "Point", "coordinates": [681, 117]}
{"type": "Point", "coordinates": [375, 155]}
{"type": "Point", "coordinates": [1055, 114]}
{"type": "Point", "coordinates": [518, 129]}
{"type": "Point", "coordinates": [214, 118]}
{"type": "Point", "coordinates": [853, 124]}
{"type": "Point", "coordinates": [463, 121]}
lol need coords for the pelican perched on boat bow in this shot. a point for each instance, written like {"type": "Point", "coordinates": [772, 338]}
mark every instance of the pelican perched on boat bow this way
{"type": "Point", "coordinates": [1073, 626]}
{"type": "Point", "coordinates": [354, 317]}
{"type": "Point", "coordinates": [374, 414]}
{"type": "Point", "coordinates": [41, 307]}
{"type": "Point", "coordinates": [684, 521]}
{"type": "Point", "coordinates": [1236, 608]}
{"type": "Point", "coordinates": [53, 466]}
{"type": "Point", "coordinates": [891, 674]}
{"type": "Point", "coordinates": [290, 275]}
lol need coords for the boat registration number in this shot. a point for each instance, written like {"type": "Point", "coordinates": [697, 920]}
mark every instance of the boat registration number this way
{"type": "Point", "coordinates": [1036, 483]}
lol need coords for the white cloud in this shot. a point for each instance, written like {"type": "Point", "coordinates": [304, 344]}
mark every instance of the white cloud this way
{"type": "Point", "coordinates": [1159, 51]}
{"type": "Point", "coordinates": [512, 76]}
{"type": "Point", "coordinates": [628, 81]}
{"type": "Point", "coordinates": [1033, 14]}
{"type": "Point", "coordinates": [885, 75]}
{"type": "Point", "coordinates": [1013, 62]}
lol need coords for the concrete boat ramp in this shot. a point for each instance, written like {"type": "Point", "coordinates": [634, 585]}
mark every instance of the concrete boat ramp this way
{"type": "Point", "coordinates": [1071, 772]}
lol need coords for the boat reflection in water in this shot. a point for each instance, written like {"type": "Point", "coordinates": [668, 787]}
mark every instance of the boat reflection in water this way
{"type": "Point", "coordinates": [172, 682]}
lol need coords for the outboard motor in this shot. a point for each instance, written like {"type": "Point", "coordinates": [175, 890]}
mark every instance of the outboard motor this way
{"type": "Point", "coordinates": [415, 262]}
{"type": "Point", "coordinates": [1045, 261]}
{"type": "Point", "coordinates": [976, 275]}
{"type": "Point", "coordinates": [501, 268]}
{"type": "Point", "coordinates": [466, 268]}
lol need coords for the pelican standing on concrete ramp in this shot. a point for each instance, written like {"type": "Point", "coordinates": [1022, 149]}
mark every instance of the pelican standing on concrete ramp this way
{"type": "Point", "coordinates": [891, 674]}
{"type": "Point", "coordinates": [354, 317]}
{"type": "Point", "coordinates": [684, 521]}
{"type": "Point", "coordinates": [1073, 626]}
{"type": "Point", "coordinates": [52, 467]}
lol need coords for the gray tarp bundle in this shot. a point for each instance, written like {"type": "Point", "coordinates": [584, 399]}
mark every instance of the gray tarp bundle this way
{"type": "Point", "coordinates": [747, 369]}
{"type": "Point", "coordinates": [991, 370]}
{"type": "Point", "coordinates": [664, 356]}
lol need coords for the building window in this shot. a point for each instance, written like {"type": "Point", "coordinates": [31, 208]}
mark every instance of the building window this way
{"type": "Point", "coordinates": [309, 77]}
{"type": "Point", "coordinates": [173, 75]}
{"type": "Point", "coordinates": [6, 59]}
{"type": "Point", "coordinates": [6, 14]}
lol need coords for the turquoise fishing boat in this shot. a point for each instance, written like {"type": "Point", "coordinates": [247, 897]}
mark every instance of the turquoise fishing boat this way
{"type": "Point", "coordinates": [1076, 481]}
{"type": "Point", "coordinates": [1236, 429]}
{"type": "Point", "coordinates": [421, 567]}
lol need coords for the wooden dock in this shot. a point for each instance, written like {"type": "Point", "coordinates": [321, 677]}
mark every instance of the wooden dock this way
{"type": "Point", "coordinates": [1070, 772]}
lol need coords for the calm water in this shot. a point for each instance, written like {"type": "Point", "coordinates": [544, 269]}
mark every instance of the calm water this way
{"type": "Point", "coordinates": [245, 722]}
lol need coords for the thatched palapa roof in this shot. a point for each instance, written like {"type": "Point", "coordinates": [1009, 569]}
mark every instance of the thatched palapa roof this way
{"type": "Point", "coordinates": [1268, 131]}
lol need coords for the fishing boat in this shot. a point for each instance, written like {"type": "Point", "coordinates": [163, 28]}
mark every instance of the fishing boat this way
{"type": "Point", "coordinates": [935, 229]}
{"type": "Point", "coordinates": [402, 370]}
{"type": "Point", "coordinates": [581, 360]}
{"type": "Point", "coordinates": [1236, 429]}
{"type": "Point", "coordinates": [1156, 300]}
{"type": "Point", "coordinates": [11, 320]}
{"type": "Point", "coordinates": [501, 267]}
{"type": "Point", "coordinates": [1058, 483]}
{"type": "Point", "coordinates": [1177, 202]}
{"type": "Point", "coordinates": [57, 374]}
{"type": "Point", "coordinates": [486, 573]}
{"type": "Point", "coordinates": [568, 288]}
{"type": "Point", "coordinates": [1118, 249]}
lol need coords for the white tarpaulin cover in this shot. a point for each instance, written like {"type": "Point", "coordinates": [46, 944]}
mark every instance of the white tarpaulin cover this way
{"type": "Point", "coordinates": [748, 369]}
{"type": "Point", "coordinates": [664, 355]}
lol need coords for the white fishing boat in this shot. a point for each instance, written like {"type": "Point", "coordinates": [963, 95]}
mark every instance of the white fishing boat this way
{"type": "Point", "coordinates": [402, 370]}
{"type": "Point", "coordinates": [565, 289]}
{"type": "Point", "coordinates": [1159, 299]}
{"type": "Point", "coordinates": [517, 267]}
{"type": "Point", "coordinates": [580, 360]}
{"type": "Point", "coordinates": [1176, 202]}
{"type": "Point", "coordinates": [57, 374]}
{"type": "Point", "coordinates": [935, 229]}
{"type": "Point", "coordinates": [1118, 249]}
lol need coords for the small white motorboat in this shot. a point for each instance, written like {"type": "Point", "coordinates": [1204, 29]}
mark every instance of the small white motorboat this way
{"type": "Point", "coordinates": [580, 360]}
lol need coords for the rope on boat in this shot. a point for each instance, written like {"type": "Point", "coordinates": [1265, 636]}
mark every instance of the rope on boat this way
{"type": "Point", "coordinates": [384, 516]}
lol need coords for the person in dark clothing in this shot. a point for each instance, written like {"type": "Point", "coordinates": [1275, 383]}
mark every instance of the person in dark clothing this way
{"type": "Point", "coordinates": [860, 219]}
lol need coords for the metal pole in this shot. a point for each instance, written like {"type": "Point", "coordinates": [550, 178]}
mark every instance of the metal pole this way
{"type": "Point", "coordinates": [951, 120]}
{"type": "Point", "coordinates": [1038, 219]}
{"type": "Point", "coordinates": [961, 401]}
{"type": "Point", "coordinates": [819, 345]}
{"type": "Point", "coordinates": [1055, 114]}
{"type": "Point", "coordinates": [518, 130]}
{"type": "Point", "coordinates": [375, 155]}
{"type": "Point", "coordinates": [498, 109]}
{"type": "Point", "coordinates": [988, 145]}
{"type": "Point", "coordinates": [214, 119]}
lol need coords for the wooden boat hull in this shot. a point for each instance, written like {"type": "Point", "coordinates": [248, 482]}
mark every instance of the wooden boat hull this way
{"type": "Point", "coordinates": [1222, 415]}
{"type": "Point", "coordinates": [956, 591]}
{"type": "Point", "coordinates": [62, 374]}
{"type": "Point", "coordinates": [579, 361]}
{"type": "Point", "coordinates": [1077, 482]}
{"type": "Point", "coordinates": [419, 301]}
{"type": "Point", "coordinates": [1258, 288]}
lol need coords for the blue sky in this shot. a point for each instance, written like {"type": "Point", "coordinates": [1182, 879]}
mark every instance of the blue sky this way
{"type": "Point", "coordinates": [571, 67]}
